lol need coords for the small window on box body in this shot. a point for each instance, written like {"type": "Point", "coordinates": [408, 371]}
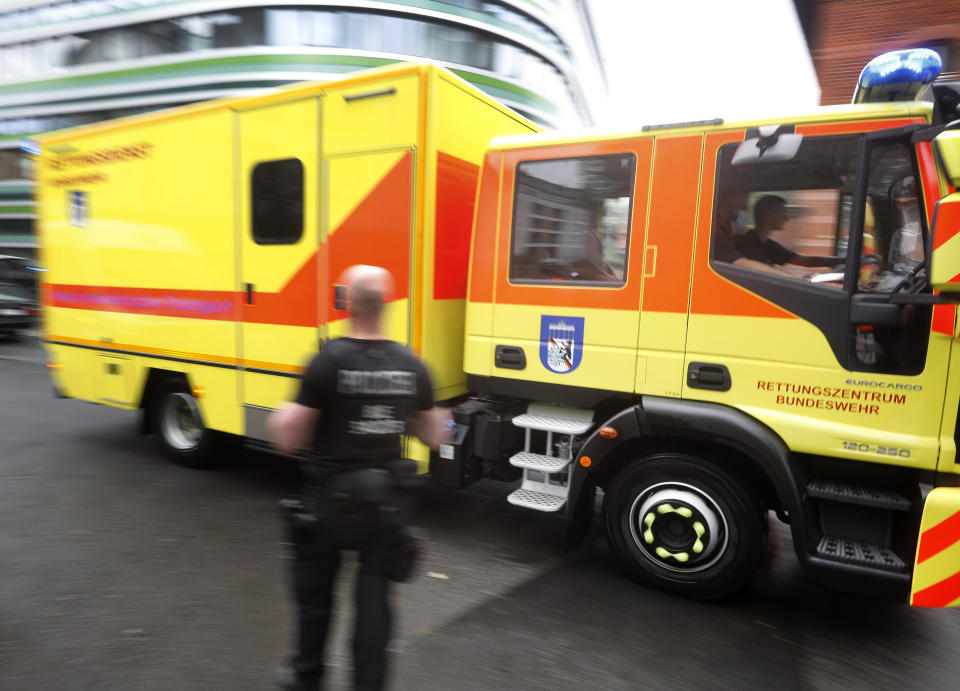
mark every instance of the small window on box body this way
{"type": "Point", "coordinates": [571, 220]}
{"type": "Point", "coordinates": [277, 202]}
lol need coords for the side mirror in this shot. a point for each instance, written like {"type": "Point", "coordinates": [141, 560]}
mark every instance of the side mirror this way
{"type": "Point", "coordinates": [945, 244]}
{"type": "Point", "coordinates": [947, 146]}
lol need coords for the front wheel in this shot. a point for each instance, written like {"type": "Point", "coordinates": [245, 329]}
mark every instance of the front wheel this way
{"type": "Point", "coordinates": [685, 525]}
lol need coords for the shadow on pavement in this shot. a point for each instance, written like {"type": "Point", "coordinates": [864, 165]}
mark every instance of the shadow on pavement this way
{"type": "Point", "coordinates": [585, 624]}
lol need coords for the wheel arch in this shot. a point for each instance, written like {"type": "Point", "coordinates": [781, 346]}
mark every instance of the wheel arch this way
{"type": "Point", "coordinates": [734, 440]}
{"type": "Point", "coordinates": [156, 381]}
{"type": "Point", "coordinates": [723, 455]}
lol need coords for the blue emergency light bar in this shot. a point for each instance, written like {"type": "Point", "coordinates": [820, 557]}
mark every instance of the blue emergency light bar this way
{"type": "Point", "coordinates": [897, 76]}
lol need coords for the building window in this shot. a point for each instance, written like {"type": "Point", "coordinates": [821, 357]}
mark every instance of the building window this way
{"type": "Point", "coordinates": [571, 220]}
{"type": "Point", "coordinates": [947, 51]}
{"type": "Point", "coordinates": [425, 37]}
{"type": "Point", "coordinates": [277, 202]}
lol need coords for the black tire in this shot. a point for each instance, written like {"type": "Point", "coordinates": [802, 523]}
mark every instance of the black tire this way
{"type": "Point", "coordinates": [711, 532]}
{"type": "Point", "coordinates": [178, 421]}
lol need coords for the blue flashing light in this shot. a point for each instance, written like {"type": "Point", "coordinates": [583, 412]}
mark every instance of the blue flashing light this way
{"type": "Point", "coordinates": [898, 75]}
{"type": "Point", "coordinates": [902, 66]}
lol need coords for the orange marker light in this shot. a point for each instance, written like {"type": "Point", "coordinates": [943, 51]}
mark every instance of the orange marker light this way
{"type": "Point", "coordinates": [54, 365]}
{"type": "Point", "coordinates": [199, 391]}
{"type": "Point", "coordinates": [585, 461]}
{"type": "Point", "coordinates": [608, 432]}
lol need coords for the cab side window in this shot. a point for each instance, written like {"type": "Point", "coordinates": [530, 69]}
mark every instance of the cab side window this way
{"type": "Point", "coordinates": [830, 242]}
{"type": "Point", "coordinates": [571, 220]}
{"type": "Point", "coordinates": [892, 260]}
{"type": "Point", "coordinates": [787, 218]}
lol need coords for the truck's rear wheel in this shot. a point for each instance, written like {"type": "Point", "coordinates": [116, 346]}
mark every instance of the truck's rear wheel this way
{"type": "Point", "coordinates": [177, 418]}
{"type": "Point", "coordinates": [682, 524]}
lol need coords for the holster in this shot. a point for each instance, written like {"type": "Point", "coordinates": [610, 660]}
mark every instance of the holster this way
{"type": "Point", "coordinates": [360, 507]}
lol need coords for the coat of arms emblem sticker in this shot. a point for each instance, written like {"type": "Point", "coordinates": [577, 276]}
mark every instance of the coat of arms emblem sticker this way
{"type": "Point", "coordinates": [561, 343]}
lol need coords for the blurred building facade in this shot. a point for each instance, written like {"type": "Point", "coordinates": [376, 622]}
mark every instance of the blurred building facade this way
{"type": "Point", "coordinates": [844, 35]}
{"type": "Point", "coordinates": [73, 62]}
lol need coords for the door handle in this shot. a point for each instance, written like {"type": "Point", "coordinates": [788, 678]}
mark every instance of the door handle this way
{"type": "Point", "coordinates": [349, 98]}
{"type": "Point", "coordinates": [708, 375]}
{"type": "Point", "coordinates": [509, 357]}
{"type": "Point", "coordinates": [340, 298]}
{"type": "Point", "coordinates": [249, 293]}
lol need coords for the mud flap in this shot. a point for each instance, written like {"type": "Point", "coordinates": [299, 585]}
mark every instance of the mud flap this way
{"type": "Point", "coordinates": [936, 571]}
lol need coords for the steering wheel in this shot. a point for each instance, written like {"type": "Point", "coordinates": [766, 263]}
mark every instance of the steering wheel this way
{"type": "Point", "coordinates": [894, 250]}
{"type": "Point", "coordinates": [914, 280]}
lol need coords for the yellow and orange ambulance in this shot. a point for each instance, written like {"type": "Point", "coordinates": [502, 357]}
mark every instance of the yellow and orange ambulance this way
{"type": "Point", "coordinates": [710, 321]}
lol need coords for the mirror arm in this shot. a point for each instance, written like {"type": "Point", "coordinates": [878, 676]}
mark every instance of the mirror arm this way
{"type": "Point", "coordinates": [928, 134]}
{"type": "Point", "coordinates": [926, 299]}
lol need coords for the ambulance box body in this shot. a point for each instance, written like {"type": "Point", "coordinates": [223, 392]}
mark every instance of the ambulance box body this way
{"type": "Point", "coordinates": [201, 247]}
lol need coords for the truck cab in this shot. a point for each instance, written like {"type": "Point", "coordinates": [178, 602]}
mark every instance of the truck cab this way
{"type": "Point", "coordinates": [744, 314]}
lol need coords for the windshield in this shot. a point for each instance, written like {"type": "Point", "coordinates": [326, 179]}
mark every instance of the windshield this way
{"type": "Point", "coordinates": [893, 232]}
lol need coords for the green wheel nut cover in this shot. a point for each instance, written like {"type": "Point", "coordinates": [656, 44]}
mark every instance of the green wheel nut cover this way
{"type": "Point", "coordinates": [679, 556]}
{"type": "Point", "coordinates": [648, 533]}
{"type": "Point", "coordinates": [698, 527]}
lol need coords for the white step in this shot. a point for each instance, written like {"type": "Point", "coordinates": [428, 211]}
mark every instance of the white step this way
{"type": "Point", "coordinates": [539, 461]}
{"type": "Point", "coordinates": [554, 418]}
{"type": "Point", "coordinates": [540, 501]}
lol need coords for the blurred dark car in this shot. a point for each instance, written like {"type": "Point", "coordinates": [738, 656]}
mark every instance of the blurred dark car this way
{"type": "Point", "coordinates": [18, 308]}
{"type": "Point", "coordinates": [22, 272]}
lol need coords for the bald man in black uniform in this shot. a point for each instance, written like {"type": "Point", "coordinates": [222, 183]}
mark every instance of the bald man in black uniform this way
{"type": "Point", "coordinates": [356, 399]}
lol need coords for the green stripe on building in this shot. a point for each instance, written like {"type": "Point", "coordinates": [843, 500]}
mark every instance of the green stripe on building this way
{"type": "Point", "coordinates": [339, 64]}
{"type": "Point", "coordinates": [18, 210]}
{"type": "Point", "coordinates": [209, 66]}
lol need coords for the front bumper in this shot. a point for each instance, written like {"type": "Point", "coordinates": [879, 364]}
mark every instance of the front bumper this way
{"type": "Point", "coordinates": [936, 571]}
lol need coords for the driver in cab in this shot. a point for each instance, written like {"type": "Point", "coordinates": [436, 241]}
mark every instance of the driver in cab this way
{"type": "Point", "coordinates": [730, 222]}
{"type": "Point", "coordinates": [770, 213]}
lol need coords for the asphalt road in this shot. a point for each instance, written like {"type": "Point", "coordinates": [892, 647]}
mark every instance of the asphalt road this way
{"type": "Point", "coordinates": [119, 570]}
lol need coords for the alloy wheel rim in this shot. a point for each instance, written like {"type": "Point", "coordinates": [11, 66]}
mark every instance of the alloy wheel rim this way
{"type": "Point", "coordinates": [678, 527]}
{"type": "Point", "coordinates": [181, 422]}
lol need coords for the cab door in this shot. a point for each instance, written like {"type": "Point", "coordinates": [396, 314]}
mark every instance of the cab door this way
{"type": "Point", "coordinates": [280, 251]}
{"type": "Point", "coordinates": [569, 270]}
{"type": "Point", "coordinates": [830, 349]}
{"type": "Point", "coordinates": [667, 267]}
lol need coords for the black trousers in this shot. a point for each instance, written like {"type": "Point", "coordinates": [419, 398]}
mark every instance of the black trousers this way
{"type": "Point", "coordinates": [315, 569]}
